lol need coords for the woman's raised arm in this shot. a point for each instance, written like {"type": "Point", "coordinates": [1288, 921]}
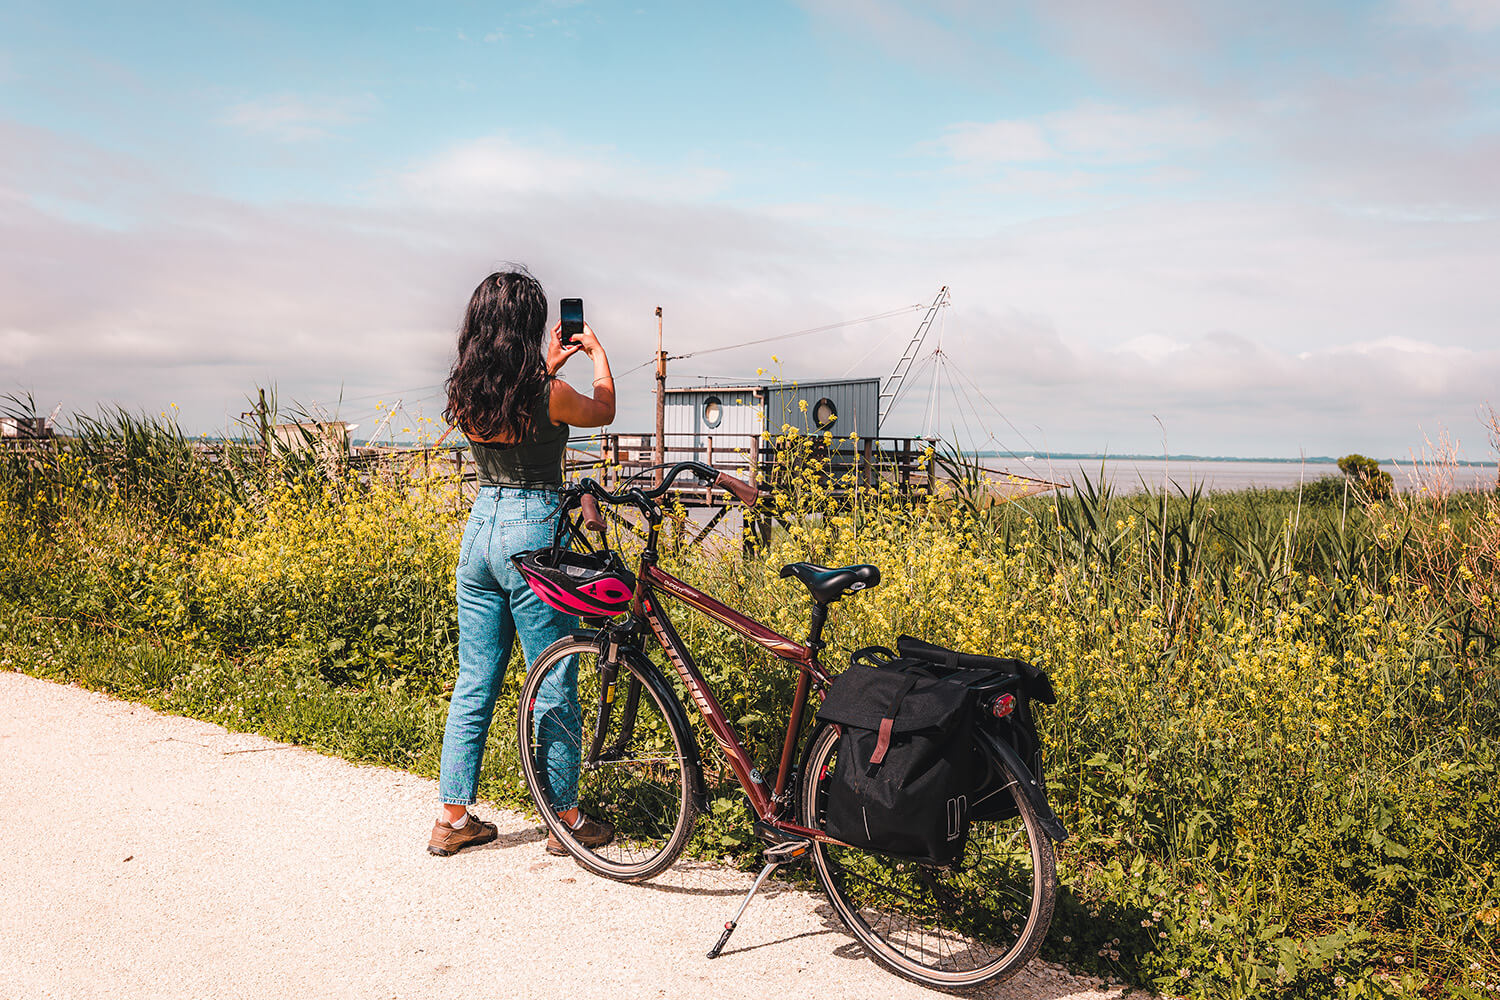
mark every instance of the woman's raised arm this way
{"type": "Point", "coordinates": [568, 405]}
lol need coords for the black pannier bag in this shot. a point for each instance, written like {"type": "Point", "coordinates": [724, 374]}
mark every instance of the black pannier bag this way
{"type": "Point", "coordinates": [989, 676]}
{"type": "Point", "coordinates": [906, 759]}
{"type": "Point", "coordinates": [909, 777]}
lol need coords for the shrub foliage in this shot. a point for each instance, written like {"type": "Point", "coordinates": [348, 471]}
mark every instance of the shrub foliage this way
{"type": "Point", "coordinates": [1275, 742]}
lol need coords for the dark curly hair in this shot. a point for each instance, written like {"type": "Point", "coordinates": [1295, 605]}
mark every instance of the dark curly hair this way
{"type": "Point", "coordinates": [501, 369]}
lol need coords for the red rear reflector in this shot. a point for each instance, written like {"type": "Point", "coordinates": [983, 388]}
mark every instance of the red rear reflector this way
{"type": "Point", "coordinates": [1003, 706]}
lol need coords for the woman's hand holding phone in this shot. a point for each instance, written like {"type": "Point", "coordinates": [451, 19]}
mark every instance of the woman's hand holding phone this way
{"type": "Point", "coordinates": [587, 341]}
{"type": "Point", "coordinates": [568, 405]}
{"type": "Point", "coordinates": [558, 353]}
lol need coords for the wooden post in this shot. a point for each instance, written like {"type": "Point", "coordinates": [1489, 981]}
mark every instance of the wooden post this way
{"type": "Point", "coordinates": [865, 473]}
{"type": "Point", "coordinates": [710, 441]}
{"type": "Point", "coordinates": [265, 425]}
{"type": "Point", "coordinates": [661, 400]}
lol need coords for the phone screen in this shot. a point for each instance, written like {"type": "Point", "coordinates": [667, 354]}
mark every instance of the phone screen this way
{"type": "Point", "coordinates": [571, 313]}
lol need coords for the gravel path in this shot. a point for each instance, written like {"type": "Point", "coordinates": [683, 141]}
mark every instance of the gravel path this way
{"type": "Point", "coordinates": [156, 856]}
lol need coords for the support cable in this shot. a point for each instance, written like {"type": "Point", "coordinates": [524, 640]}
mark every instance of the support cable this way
{"type": "Point", "coordinates": [1002, 416]}
{"type": "Point", "coordinates": [934, 413]}
{"type": "Point", "coordinates": [959, 401]}
{"type": "Point", "coordinates": [800, 333]}
{"type": "Point", "coordinates": [784, 336]}
{"type": "Point", "coordinates": [907, 383]}
{"type": "Point", "coordinates": [866, 356]}
{"type": "Point", "coordinates": [964, 399]}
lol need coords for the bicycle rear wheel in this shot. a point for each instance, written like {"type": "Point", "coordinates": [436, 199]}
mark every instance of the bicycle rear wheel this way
{"type": "Point", "coordinates": [947, 927]}
{"type": "Point", "coordinates": [640, 780]}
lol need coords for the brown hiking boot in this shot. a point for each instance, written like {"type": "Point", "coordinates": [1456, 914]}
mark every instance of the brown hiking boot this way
{"type": "Point", "coordinates": [589, 833]}
{"type": "Point", "coordinates": [446, 840]}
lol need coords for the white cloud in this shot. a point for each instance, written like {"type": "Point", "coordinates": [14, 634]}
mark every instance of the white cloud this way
{"type": "Point", "coordinates": [1152, 347]}
{"type": "Point", "coordinates": [18, 347]}
{"type": "Point", "coordinates": [997, 142]}
{"type": "Point", "coordinates": [1250, 327]}
{"type": "Point", "coordinates": [1472, 15]}
{"type": "Point", "coordinates": [294, 118]}
{"type": "Point", "coordinates": [1092, 134]}
{"type": "Point", "coordinates": [1120, 135]}
{"type": "Point", "coordinates": [1215, 394]}
{"type": "Point", "coordinates": [496, 167]}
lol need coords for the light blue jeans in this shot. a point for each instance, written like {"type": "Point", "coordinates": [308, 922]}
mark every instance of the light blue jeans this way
{"type": "Point", "coordinates": [495, 607]}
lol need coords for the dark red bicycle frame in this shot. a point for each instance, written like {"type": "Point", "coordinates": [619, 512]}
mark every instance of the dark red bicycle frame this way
{"type": "Point", "coordinates": [769, 805]}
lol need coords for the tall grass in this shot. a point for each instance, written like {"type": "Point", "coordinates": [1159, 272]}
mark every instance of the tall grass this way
{"type": "Point", "coordinates": [1275, 744]}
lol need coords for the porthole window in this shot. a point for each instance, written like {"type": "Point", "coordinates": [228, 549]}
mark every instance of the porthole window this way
{"type": "Point", "coordinates": [825, 413]}
{"type": "Point", "coordinates": [713, 411]}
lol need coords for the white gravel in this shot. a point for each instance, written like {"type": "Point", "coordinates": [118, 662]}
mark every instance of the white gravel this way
{"type": "Point", "coordinates": [154, 856]}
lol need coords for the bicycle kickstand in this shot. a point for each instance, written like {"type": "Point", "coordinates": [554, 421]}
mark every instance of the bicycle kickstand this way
{"type": "Point", "coordinates": [775, 857]}
{"type": "Point", "coordinates": [729, 927]}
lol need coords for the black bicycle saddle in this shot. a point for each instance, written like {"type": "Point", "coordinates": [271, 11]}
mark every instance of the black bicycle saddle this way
{"type": "Point", "coordinates": [828, 585]}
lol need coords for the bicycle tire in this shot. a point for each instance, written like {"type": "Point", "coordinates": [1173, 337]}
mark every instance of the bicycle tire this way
{"type": "Point", "coordinates": [948, 928]}
{"type": "Point", "coordinates": [645, 792]}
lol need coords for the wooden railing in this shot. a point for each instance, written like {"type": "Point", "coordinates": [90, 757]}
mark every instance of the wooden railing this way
{"type": "Point", "coordinates": [612, 458]}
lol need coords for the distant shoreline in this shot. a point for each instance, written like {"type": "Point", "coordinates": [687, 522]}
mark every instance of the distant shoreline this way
{"type": "Point", "coordinates": [1055, 456]}
{"type": "Point", "coordinates": [1063, 456]}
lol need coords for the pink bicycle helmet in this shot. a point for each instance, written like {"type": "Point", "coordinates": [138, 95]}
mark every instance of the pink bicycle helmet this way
{"type": "Point", "coordinates": [592, 584]}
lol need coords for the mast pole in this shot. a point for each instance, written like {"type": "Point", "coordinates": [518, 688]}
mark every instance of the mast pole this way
{"type": "Point", "coordinates": [659, 452]}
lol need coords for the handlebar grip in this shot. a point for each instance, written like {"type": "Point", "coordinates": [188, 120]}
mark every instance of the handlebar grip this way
{"type": "Point", "coordinates": [592, 519]}
{"type": "Point", "coordinates": [743, 491]}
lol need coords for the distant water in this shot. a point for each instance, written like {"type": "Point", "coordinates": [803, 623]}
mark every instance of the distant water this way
{"type": "Point", "coordinates": [1129, 474]}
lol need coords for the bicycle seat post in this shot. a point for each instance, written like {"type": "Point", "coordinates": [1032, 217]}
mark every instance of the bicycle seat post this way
{"type": "Point", "coordinates": [815, 629]}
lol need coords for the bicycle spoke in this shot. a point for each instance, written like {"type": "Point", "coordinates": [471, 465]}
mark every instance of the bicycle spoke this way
{"type": "Point", "coordinates": [974, 922]}
{"type": "Point", "coordinates": [642, 793]}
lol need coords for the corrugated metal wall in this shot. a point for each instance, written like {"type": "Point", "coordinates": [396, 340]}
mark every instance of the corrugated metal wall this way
{"type": "Point", "coordinates": [857, 404]}
{"type": "Point", "coordinates": [740, 410]}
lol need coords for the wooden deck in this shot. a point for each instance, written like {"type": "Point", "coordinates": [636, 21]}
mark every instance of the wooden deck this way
{"type": "Point", "coordinates": [614, 459]}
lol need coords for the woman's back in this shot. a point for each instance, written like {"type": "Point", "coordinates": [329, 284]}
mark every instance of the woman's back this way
{"type": "Point", "coordinates": [535, 461]}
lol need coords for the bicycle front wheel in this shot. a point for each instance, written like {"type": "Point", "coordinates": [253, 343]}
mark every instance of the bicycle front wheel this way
{"type": "Point", "coordinates": [948, 927]}
{"type": "Point", "coordinates": [628, 754]}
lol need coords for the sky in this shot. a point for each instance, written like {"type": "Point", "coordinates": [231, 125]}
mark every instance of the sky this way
{"type": "Point", "coordinates": [1245, 229]}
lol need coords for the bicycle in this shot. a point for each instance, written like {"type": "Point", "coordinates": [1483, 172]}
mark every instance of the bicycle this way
{"type": "Point", "coordinates": [640, 768]}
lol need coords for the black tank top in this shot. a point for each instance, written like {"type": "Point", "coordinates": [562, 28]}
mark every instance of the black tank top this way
{"type": "Point", "coordinates": [535, 461]}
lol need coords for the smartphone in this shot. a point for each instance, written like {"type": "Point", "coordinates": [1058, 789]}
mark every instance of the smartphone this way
{"type": "Point", "coordinates": [571, 311]}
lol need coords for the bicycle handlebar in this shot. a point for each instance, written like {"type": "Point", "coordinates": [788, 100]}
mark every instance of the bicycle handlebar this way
{"type": "Point", "coordinates": [589, 490]}
{"type": "Point", "coordinates": [744, 492]}
{"type": "Point", "coordinates": [592, 519]}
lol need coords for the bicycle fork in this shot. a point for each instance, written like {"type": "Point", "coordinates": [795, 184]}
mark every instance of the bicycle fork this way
{"type": "Point", "coordinates": [609, 671]}
{"type": "Point", "coordinates": [776, 856]}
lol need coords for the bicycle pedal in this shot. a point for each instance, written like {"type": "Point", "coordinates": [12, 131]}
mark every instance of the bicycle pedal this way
{"type": "Point", "coordinates": [787, 850]}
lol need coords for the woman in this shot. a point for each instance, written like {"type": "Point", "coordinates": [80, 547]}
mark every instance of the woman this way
{"type": "Point", "coordinates": [504, 395]}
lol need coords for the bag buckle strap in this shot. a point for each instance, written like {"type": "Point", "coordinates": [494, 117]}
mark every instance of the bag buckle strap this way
{"type": "Point", "coordinates": [888, 724]}
{"type": "Point", "coordinates": [884, 742]}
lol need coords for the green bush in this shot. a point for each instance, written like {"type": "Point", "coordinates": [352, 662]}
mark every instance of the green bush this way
{"type": "Point", "coordinates": [1275, 745]}
{"type": "Point", "coordinates": [1367, 473]}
